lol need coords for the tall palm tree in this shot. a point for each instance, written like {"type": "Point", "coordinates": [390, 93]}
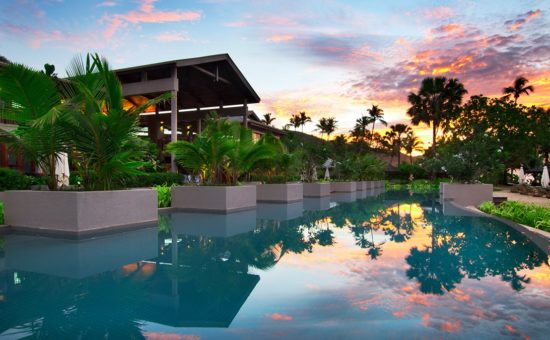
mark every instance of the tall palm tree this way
{"type": "Point", "coordinates": [399, 130]}
{"type": "Point", "coordinates": [268, 119]}
{"type": "Point", "coordinates": [411, 143]}
{"type": "Point", "coordinates": [390, 142]}
{"type": "Point", "coordinates": [376, 114]}
{"type": "Point", "coordinates": [518, 88]}
{"type": "Point", "coordinates": [303, 118]}
{"type": "Point", "coordinates": [438, 100]}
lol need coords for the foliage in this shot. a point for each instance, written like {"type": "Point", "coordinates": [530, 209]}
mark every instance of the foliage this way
{"type": "Point", "coordinates": [153, 179]}
{"type": "Point", "coordinates": [414, 169]}
{"type": "Point", "coordinates": [33, 101]}
{"type": "Point", "coordinates": [164, 193]}
{"type": "Point", "coordinates": [417, 186]}
{"type": "Point", "coordinates": [282, 166]}
{"type": "Point", "coordinates": [102, 131]}
{"type": "Point", "coordinates": [1, 213]}
{"type": "Point", "coordinates": [369, 168]}
{"type": "Point", "coordinates": [222, 152]}
{"type": "Point", "coordinates": [529, 214]}
{"type": "Point", "coordinates": [327, 126]}
{"type": "Point", "coordinates": [14, 180]}
{"type": "Point", "coordinates": [519, 88]}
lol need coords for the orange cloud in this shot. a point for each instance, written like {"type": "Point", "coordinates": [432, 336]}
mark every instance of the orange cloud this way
{"type": "Point", "coordinates": [523, 19]}
{"type": "Point", "coordinates": [451, 326]}
{"type": "Point", "coordinates": [280, 317]}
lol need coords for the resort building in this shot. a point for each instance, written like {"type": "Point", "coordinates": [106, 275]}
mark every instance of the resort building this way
{"type": "Point", "coordinates": [199, 86]}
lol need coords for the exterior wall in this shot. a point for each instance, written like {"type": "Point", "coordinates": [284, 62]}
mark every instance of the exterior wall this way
{"type": "Point", "coordinates": [287, 192]}
{"type": "Point", "coordinates": [78, 212]}
{"type": "Point", "coordinates": [222, 199]}
{"type": "Point", "coordinates": [316, 189]}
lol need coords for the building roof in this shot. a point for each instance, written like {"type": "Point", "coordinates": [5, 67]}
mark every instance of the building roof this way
{"type": "Point", "coordinates": [202, 82]}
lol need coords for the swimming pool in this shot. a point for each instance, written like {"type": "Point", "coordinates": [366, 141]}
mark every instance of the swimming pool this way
{"type": "Point", "coordinates": [385, 266]}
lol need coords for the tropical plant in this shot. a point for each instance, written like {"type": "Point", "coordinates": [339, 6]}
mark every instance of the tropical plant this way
{"type": "Point", "coordinates": [101, 129]}
{"type": "Point", "coordinates": [519, 88]}
{"type": "Point", "coordinates": [33, 101]}
{"type": "Point", "coordinates": [530, 214]}
{"type": "Point", "coordinates": [399, 130]}
{"type": "Point", "coordinates": [282, 165]}
{"type": "Point", "coordinates": [438, 101]}
{"type": "Point", "coordinates": [268, 119]}
{"type": "Point", "coordinates": [369, 168]}
{"type": "Point", "coordinates": [411, 143]}
{"type": "Point", "coordinates": [295, 121]}
{"type": "Point", "coordinates": [164, 194]}
{"type": "Point", "coordinates": [376, 114]}
{"type": "Point", "coordinates": [303, 119]}
{"type": "Point", "coordinates": [221, 153]}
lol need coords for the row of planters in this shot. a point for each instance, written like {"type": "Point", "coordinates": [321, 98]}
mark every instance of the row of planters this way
{"type": "Point", "coordinates": [235, 172]}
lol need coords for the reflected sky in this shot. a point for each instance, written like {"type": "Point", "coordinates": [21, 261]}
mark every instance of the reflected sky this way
{"type": "Point", "coordinates": [386, 266]}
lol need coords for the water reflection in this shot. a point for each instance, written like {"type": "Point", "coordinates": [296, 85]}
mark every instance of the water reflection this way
{"type": "Point", "coordinates": [200, 270]}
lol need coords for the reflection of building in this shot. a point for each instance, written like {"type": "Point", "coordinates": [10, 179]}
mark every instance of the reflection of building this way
{"type": "Point", "coordinates": [198, 87]}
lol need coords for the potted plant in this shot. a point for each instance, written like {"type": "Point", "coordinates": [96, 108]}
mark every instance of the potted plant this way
{"type": "Point", "coordinates": [344, 172]}
{"type": "Point", "coordinates": [83, 116]}
{"type": "Point", "coordinates": [219, 156]}
{"type": "Point", "coordinates": [369, 169]}
{"type": "Point", "coordinates": [278, 173]}
{"type": "Point", "coordinates": [311, 157]}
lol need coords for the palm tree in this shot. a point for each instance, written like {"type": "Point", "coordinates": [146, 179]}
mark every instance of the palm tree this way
{"type": "Point", "coordinates": [412, 143]}
{"type": "Point", "coordinates": [303, 118]}
{"type": "Point", "coordinates": [390, 143]}
{"type": "Point", "coordinates": [268, 119]}
{"type": "Point", "coordinates": [32, 99]}
{"type": "Point", "coordinates": [518, 89]}
{"type": "Point", "coordinates": [295, 121]}
{"type": "Point", "coordinates": [399, 130]}
{"type": "Point", "coordinates": [376, 114]}
{"type": "Point", "coordinates": [326, 125]}
{"type": "Point", "coordinates": [436, 102]}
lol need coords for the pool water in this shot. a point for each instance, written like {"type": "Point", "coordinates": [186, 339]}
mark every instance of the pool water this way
{"type": "Point", "coordinates": [381, 265]}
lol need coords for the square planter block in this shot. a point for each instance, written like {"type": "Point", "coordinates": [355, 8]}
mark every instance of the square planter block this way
{"type": "Point", "coordinates": [282, 193]}
{"type": "Point", "coordinates": [343, 186]}
{"type": "Point", "coordinates": [78, 259]}
{"type": "Point", "coordinates": [280, 211]}
{"type": "Point", "coordinates": [212, 225]}
{"type": "Point", "coordinates": [77, 212]}
{"type": "Point", "coordinates": [466, 194]}
{"type": "Point", "coordinates": [316, 189]}
{"type": "Point", "coordinates": [220, 199]}
{"type": "Point", "coordinates": [361, 185]}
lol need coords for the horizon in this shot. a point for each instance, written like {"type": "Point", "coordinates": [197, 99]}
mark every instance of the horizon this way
{"type": "Point", "coordinates": [334, 60]}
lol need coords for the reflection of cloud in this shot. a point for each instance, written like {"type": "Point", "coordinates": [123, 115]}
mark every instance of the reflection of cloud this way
{"type": "Point", "coordinates": [169, 336]}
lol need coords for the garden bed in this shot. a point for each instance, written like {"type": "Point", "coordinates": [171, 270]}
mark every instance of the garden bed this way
{"type": "Point", "coordinates": [529, 214]}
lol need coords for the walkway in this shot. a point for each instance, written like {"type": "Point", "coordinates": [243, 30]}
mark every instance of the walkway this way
{"type": "Point", "coordinates": [505, 191]}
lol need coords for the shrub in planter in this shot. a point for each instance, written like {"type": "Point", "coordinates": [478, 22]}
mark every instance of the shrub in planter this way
{"type": "Point", "coordinates": [14, 180]}
{"type": "Point", "coordinates": [164, 195]}
{"type": "Point", "coordinates": [153, 179]}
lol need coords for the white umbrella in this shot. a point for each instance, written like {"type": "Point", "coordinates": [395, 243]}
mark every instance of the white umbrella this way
{"type": "Point", "coordinates": [545, 180]}
{"type": "Point", "coordinates": [521, 175]}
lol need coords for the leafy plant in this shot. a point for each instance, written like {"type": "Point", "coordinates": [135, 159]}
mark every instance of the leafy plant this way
{"type": "Point", "coordinates": [369, 167]}
{"type": "Point", "coordinates": [102, 131]}
{"type": "Point", "coordinates": [529, 214]}
{"type": "Point", "coordinates": [153, 179]}
{"type": "Point", "coordinates": [164, 193]}
{"type": "Point", "coordinates": [14, 180]}
{"type": "Point", "coordinates": [1, 213]}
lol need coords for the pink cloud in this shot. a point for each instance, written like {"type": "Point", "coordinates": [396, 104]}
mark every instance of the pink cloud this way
{"type": "Point", "coordinates": [172, 36]}
{"type": "Point", "coordinates": [236, 24]}
{"type": "Point", "coordinates": [522, 20]}
{"type": "Point", "coordinates": [107, 4]}
{"type": "Point", "coordinates": [276, 38]}
{"type": "Point", "coordinates": [146, 13]}
{"type": "Point", "coordinates": [280, 317]}
{"type": "Point", "coordinates": [439, 13]}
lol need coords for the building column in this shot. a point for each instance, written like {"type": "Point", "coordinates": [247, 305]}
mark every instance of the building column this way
{"type": "Point", "coordinates": [199, 121]}
{"type": "Point", "coordinates": [174, 119]}
{"type": "Point", "coordinates": [245, 114]}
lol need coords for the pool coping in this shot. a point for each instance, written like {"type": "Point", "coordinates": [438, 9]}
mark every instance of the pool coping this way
{"type": "Point", "coordinates": [539, 237]}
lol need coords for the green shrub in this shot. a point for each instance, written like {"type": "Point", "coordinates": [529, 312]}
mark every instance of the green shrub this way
{"type": "Point", "coordinates": [14, 180]}
{"type": "Point", "coordinates": [164, 195]}
{"type": "Point", "coordinates": [1, 213]}
{"type": "Point", "coordinates": [528, 214]}
{"type": "Point", "coordinates": [153, 179]}
{"type": "Point", "coordinates": [418, 172]}
{"type": "Point", "coordinates": [369, 168]}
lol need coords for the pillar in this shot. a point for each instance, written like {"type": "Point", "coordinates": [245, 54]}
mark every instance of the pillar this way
{"type": "Point", "coordinates": [245, 114]}
{"type": "Point", "coordinates": [174, 118]}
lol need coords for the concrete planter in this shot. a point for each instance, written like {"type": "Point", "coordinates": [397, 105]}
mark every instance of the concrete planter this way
{"type": "Point", "coordinates": [74, 212]}
{"type": "Point", "coordinates": [218, 199]}
{"type": "Point", "coordinates": [362, 185]}
{"type": "Point", "coordinates": [343, 186]}
{"type": "Point", "coordinates": [280, 193]}
{"type": "Point", "coordinates": [465, 194]}
{"type": "Point", "coordinates": [316, 189]}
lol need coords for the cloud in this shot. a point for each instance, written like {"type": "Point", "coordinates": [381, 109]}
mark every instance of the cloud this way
{"type": "Point", "coordinates": [37, 37]}
{"type": "Point", "coordinates": [522, 20]}
{"type": "Point", "coordinates": [280, 317]}
{"type": "Point", "coordinates": [277, 38]}
{"type": "Point", "coordinates": [172, 36]}
{"type": "Point", "coordinates": [438, 13]}
{"type": "Point", "coordinates": [146, 13]}
{"type": "Point", "coordinates": [107, 4]}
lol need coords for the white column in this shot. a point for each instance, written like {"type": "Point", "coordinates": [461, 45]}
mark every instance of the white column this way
{"type": "Point", "coordinates": [174, 118]}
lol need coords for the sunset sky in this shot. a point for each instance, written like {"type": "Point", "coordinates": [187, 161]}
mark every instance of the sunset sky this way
{"type": "Point", "coordinates": [328, 58]}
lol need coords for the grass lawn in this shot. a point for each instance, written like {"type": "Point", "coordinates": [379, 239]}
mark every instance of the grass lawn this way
{"type": "Point", "coordinates": [529, 214]}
